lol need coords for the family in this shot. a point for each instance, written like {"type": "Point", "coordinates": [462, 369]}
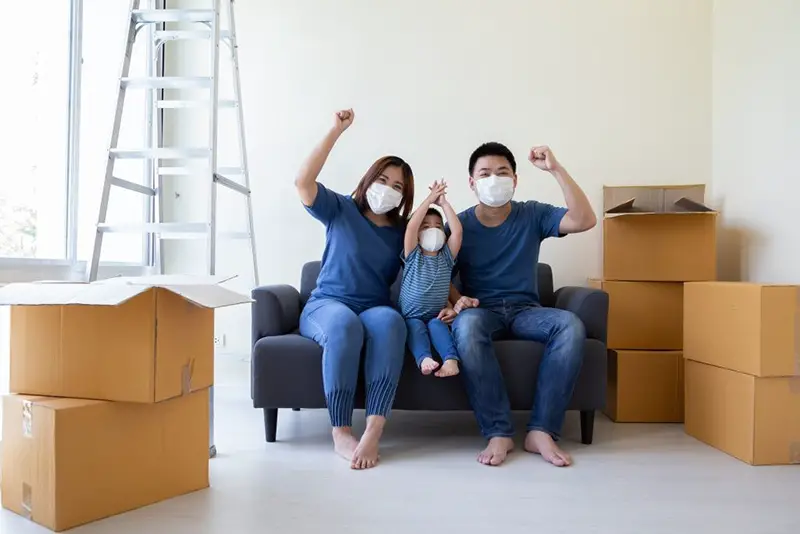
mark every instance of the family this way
{"type": "Point", "coordinates": [494, 248]}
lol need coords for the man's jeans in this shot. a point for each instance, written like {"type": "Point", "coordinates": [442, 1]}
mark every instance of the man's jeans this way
{"type": "Point", "coordinates": [563, 335]}
{"type": "Point", "coordinates": [422, 334]}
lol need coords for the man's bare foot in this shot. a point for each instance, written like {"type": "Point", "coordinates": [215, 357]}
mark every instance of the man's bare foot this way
{"type": "Point", "coordinates": [539, 442]}
{"type": "Point", "coordinates": [428, 365]}
{"type": "Point", "coordinates": [496, 451]}
{"type": "Point", "coordinates": [344, 443]}
{"type": "Point", "coordinates": [366, 454]}
{"type": "Point", "coordinates": [450, 368]}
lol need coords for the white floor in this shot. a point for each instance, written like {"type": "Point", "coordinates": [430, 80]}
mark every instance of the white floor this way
{"type": "Point", "coordinates": [634, 479]}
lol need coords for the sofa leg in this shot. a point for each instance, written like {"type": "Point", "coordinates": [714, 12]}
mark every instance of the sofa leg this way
{"type": "Point", "coordinates": [587, 426]}
{"type": "Point", "coordinates": [295, 409]}
{"type": "Point", "coordinates": [271, 423]}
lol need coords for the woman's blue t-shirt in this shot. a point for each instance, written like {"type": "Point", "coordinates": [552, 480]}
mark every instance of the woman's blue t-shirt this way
{"type": "Point", "coordinates": [361, 260]}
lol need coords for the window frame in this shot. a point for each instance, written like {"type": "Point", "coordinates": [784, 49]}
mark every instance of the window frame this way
{"type": "Point", "coordinates": [70, 267]}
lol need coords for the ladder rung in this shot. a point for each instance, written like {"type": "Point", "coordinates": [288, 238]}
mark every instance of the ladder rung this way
{"type": "Point", "coordinates": [182, 104]}
{"type": "Point", "coordinates": [175, 35]}
{"type": "Point", "coordinates": [148, 16]}
{"type": "Point", "coordinates": [131, 186]}
{"type": "Point", "coordinates": [167, 230]}
{"type": "Point", "coordinates": [168, 82]}
{"type": "Point", "coordinates": [230, 171]}
{"type": "Point", "coordinates": [230, 184]}
{"type": "Point", "coordinates": [160, 153]}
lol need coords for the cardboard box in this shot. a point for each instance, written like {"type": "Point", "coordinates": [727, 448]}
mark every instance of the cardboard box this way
{"type": "Point", "coordinates": [750, 328]}
{"type": "Point", "coordinates": [658, 234]}
{"type": "Point", "coordinates": [645, 386]}
{"type": "Point", "coordinates": [143, 339]}
{"type": "Point", "coordinates": [756, 420]}
{"type": "Point", "coordinates": [67, 462]}
{"type": "Point", "coordinates": [644, 315]}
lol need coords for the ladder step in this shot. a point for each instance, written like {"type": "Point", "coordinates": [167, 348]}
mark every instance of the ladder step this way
{"type": "Point", "coordinates": [177, 35]}
{"type": "Point", "coordinates": [160, 153]}
{"type": "Point", "coordinates": [172, 230]}
{"type": "Point", "coordinates": [169, 82]}
{"type": "Point", "coordinates": [131, 186]}
{"type": "Point", "coordinates": [230, 184]}
{"type": "Point", "coordinates": [183, 104]}
{"type": "Point", "coordinates": [149, 16]}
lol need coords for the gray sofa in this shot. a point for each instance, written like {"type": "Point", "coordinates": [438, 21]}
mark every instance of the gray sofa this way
{"type": "Point", "coordinates": [287, 368]}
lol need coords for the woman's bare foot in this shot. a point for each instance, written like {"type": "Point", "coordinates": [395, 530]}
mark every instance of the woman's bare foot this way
{"type": "Point", "coordinates": [450, 368]}
{"type": "Point", "coordinates": [496, 451]}
{"type": "Point", "coordinates": [428, 366]}
{"type": "Point", "coordinates": [344, 443]}
{"type": "Point", "coordinates": [539, 442]}
{"type": "Point", "coordinates": [366, 454]}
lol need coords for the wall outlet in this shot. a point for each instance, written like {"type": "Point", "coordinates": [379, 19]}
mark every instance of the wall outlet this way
{"type": "Point", "coordinates": [219, 340]}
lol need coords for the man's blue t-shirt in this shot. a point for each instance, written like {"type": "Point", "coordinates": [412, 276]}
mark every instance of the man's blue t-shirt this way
{"type": "Point", "coordinates": [361, 260]}
{"type": "Point", "coordinates": [498, 265]}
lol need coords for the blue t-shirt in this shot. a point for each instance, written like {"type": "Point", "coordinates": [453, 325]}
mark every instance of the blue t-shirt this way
{"type": "Point", "coordinates": [426, 283]}
{"type": "Point", "coordinates": [498, 265]}
{"type": "Point", "coordinates": [361, 260]}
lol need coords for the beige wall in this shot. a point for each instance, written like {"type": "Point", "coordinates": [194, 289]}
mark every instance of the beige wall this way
{"type": "Point", "coordinates": [756, 138]}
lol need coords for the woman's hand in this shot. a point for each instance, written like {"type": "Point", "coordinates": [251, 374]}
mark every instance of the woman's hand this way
{"type": "Point", "coordinates": [447, 315]}
{"type": "Point", "coordinates": [343, 119]}
{"type": "Point", "coordinates": [464, 303]}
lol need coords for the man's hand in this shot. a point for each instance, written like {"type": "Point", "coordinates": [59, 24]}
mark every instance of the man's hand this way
{"type": "Point", "coordinates": [343, 119]}
{"type": "Point", "coordinates": [542, 157]}
{"type": "Point", "coordinates": [447, 315]}
{"type": "Point", "coordinates": [464, 303]}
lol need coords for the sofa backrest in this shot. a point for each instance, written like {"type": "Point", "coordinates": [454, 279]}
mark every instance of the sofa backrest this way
{"type": "Point", "coordinates": [308, 281]}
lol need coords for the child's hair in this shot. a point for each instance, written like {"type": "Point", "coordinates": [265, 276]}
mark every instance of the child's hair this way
{"type": "Point", "coordinates": [434, 211]}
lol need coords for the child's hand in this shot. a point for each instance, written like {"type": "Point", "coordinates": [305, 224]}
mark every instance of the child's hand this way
{"type": "Point", "coordinates": [447, 315]}
{"type": "Point", "coordinates": [438, 190]}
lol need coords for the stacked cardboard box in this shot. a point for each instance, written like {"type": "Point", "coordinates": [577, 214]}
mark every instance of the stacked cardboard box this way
{"type": "Point", "coordinates": [110, 410]}
{"type": "Point", "coordinates": [742, 349]}
{"type": "Point", "coordinates": [654, 239]}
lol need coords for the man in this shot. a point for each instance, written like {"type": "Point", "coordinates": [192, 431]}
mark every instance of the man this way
{"type": "Point", "coordinates": [500, 250]}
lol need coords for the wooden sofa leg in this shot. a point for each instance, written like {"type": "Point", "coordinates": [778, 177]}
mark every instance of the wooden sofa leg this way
{"type": "Point", "coordinates": [295, 409]}
{"type": "Point", "coordinates": [587, 426]}
{"type": "Point", "coordinates": [271, 423]}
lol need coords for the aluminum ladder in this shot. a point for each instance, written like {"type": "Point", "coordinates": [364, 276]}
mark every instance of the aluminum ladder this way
{"type": "Point", "coordinates": [159, 21]}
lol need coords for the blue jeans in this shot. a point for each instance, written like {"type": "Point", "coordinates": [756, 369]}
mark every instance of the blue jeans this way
{"type": "Point", "coordinates": [421, 334]}
{"type": "Point", "coordinates": [563, 335]}
{"type": "Point", "coordinates": [342, 334]}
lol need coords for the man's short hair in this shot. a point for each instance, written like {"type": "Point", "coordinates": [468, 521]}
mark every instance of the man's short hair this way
{"type": "Point", "coordinates": [492, 149]}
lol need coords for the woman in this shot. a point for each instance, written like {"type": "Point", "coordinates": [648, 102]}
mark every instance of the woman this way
{"type": "Point", "coordinates": [350, 307]}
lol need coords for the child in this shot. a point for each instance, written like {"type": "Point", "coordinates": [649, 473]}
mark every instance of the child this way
{"type": "Point", "coordinates": [425, 285]}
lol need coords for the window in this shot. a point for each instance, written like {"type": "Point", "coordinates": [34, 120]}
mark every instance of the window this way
{"type": "Point", "coordinates": [35, 95]}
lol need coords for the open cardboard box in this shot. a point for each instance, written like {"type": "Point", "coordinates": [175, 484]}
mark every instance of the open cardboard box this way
{"type": "Point", "coordinates": [133, 339]}
{"type": "Point", "coordinates": [658, 234]}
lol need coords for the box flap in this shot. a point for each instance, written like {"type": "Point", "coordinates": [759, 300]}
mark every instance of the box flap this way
{"type": "Point", "coordinates": [637, 200]}
{"type": "Point", "coordinates": [35, 294]}
{"type": "Point", "coordinates": [163, 280]}
{"type": "Point", "coordinates": [209, 296]}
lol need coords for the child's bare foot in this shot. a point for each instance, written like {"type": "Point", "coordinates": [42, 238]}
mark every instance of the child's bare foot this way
{"type": "Point", "coordinates": [428, 366]}
{"type": "Point", "coordinates": [344, 443]}
{"type": "Point", "coordinates": [450, 368]}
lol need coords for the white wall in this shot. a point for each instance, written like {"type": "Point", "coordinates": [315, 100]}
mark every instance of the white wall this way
{"type": "Point", "coordinates": [756, 135]}
{"type": "Point", "coordinates": [620, 89]}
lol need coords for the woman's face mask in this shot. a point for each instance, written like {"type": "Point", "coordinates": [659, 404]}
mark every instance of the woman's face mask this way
{"type": "Point", "coordinates": [383, 199]}
{"type": "Point", "coordinates": [494, 191]}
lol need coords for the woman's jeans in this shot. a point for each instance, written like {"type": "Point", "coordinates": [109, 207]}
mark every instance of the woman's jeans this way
{"type": "Point", "coordinates": [421, 334]}
{"type": "Point", "coordinates": [342, 333]}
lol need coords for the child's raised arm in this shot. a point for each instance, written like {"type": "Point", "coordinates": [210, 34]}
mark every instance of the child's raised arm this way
{"type": "Point", "coordinates": [456, 232]}
{"type": "Point", "coordinates": [412, 229]}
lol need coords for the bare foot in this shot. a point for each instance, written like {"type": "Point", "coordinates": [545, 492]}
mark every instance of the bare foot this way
{"type": "Point", "coordinates": [428, 365]}
{"type": "Point", "coordinates": [450, 368]}
{"type": "Point", "coordinates": [496, 451]}
{"type": "Point", "coordinates": [344, 443]}
{"type": "Point", "coordinates": [366, 454]}
{"type": "Point", "coordinates": [539, 442]}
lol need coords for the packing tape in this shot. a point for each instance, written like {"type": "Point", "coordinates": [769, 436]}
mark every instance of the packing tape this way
{"type": "Point", "coordinates": [27, 501]}
{"type": "Point", "coordinates": [27, 419]}
{"type": "Point", "coordinates": [186, 377]}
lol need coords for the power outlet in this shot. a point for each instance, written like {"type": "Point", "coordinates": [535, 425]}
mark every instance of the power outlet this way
{"type": "Point", "coordinates": [219, 340]}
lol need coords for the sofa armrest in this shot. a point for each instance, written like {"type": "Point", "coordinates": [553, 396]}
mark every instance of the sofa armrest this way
{"type": "Point", "coordinates": [276, 311]}
{"type": "Point", "coordinates": [591, 307]}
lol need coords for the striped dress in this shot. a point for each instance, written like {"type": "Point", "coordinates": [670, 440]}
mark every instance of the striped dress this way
{"type": "Point", "coordinates": [426, 284]}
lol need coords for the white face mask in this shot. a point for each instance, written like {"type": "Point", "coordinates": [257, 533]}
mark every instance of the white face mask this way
{"type": "Point", "coordinates": [495, 191]}
{"type": "Point", "coordinates": [431, 239]}
{"type": "Point", "coordinates": [383, 199]}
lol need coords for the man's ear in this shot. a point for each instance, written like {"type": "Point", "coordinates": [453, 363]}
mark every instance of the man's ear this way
{"type": "Point", "coordinates": [515, 180]}
{"type": "Point", "coordinates": [472, 183]}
